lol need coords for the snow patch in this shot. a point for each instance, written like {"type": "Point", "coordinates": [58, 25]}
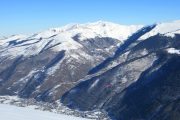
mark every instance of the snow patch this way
{"type": "Point", "coordinates": [173, 51]}
{"type": "Point", "coordinates": [94, 84]}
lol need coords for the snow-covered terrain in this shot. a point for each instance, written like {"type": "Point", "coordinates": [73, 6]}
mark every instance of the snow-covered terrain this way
{"type": "Point", "coordinates": [55, 108]}
{"type": "Point", "coordinates": [62, 38]}
{"type": "Point", "coordinates": [168, 29]}
{"type": "Point", "coordinates": [9, 112]}
{"type": "Point", "coordinates": [84, 66]}
{"type": "Point", "coordinates": [96, 29]}
{"type": "Point", "coordinates": [173, 51]}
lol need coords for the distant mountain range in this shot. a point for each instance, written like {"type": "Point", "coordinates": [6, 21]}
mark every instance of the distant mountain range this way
{"type": "Point", "coordinates": [132, 72]}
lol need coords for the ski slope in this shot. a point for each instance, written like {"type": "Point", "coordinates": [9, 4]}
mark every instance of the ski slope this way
{"type": "Point", "coordinates": [9, 112]}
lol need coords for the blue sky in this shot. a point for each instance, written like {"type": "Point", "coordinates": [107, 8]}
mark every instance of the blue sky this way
{"type": "Point", "coordinates": [30, 16]}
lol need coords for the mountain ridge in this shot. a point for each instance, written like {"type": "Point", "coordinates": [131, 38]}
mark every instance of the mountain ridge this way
{"type": "Point", "coordinates": [54, 65]}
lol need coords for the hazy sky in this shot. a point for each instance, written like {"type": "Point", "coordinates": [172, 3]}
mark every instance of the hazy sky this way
{"type": "Point", "coordinates": [30, 16]}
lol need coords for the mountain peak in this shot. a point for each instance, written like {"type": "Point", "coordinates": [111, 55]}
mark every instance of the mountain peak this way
{"type": "Point", "coordinates": [94, 29]}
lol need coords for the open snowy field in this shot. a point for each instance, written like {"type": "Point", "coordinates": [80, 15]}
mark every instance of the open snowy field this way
{"type": "Point", "coordinates": [9, 112]}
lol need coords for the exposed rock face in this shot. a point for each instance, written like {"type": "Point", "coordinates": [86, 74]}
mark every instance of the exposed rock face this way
{"type": "Point", "coordinates": [133, 76]}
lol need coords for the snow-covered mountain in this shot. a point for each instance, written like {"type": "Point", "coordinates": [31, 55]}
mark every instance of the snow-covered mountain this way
{"type": "Point", "coordinates": [68, 53]}
{"type": "Point", "coordinates": [98, 65]}
{"type": "Point", "coordinates": [62, 38]}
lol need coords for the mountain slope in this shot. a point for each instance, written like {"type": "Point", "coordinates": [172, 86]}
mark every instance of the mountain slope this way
{"type": "Point", "coordinates": [47, 64]}
{"type": "Point", "coordinates": [122, 48]}
{"type": "Point", "coordinates": [98, 65]}
{"type": "Point", "coordinates": [107, 90]}
{"type": "Point", "coordinates": [154, 96]}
